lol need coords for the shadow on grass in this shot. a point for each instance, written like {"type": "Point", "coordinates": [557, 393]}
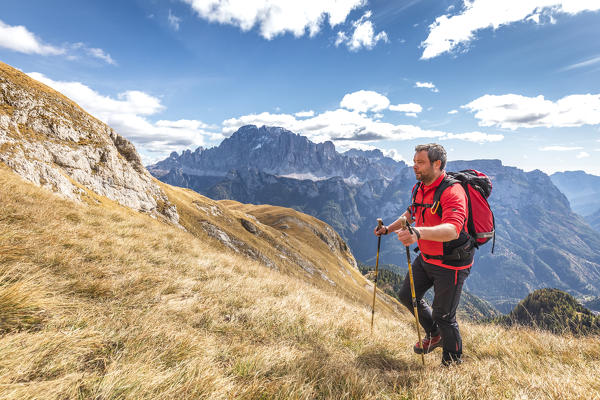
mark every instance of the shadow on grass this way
{"type": "Point", "coordinates": [381, 359]}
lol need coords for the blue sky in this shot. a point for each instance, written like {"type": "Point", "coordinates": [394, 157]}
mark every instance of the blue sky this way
{"type": "Point", "coordinates": [514, 80]}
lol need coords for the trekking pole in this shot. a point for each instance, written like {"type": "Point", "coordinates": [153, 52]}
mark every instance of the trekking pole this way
{"type": "Point", "coordinates": [379, 225]}
{"type": "Point", "coordinates": [414, 297]}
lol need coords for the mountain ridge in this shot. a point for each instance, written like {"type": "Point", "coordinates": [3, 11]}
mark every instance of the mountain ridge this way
{"type": "Point", "coordinates": [276, 151]}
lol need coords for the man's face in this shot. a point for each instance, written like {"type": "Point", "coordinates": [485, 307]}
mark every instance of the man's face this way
{"type": "Point", "coordinates": [424, 169]}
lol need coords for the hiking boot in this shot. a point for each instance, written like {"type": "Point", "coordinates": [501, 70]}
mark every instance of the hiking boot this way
{"type": "Point", "coordinates": [429, 344]}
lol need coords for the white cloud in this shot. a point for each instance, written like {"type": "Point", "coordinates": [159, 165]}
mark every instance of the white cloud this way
{"type": "Point", "coordinates": [365, 100]}
{"type": "Point", "coordinates": [127, 115]}
{"type": "Point", "coordinates": [514, 111]}
{"type": "Point", "coordinates": [343, 126]}
{"type": "Point", "coordinates": [560, 148]}
{"type": "Point", "coordinates": [18, 38]}
{"type": "Point", "coordinates": [357, 122]}
{"type": "Point", "coordinates": [477, 137]}
{"type": "Point", "coordinates": [173, 20]}
{"type": "Point", "coordinates": [393, 153]}
{"type": "Point", "coordinates": [407, 108]}
{"type": "Point", "coordinates": [583, 154]}
{"type": "Point", "coordinates": [275, 17]}
{"type": "Point", "coordinates": [427, 85]}
{"type": "Point", "coordinates": [450, 32]}
{"type": "Point", "coordinates": [304, 114]}
{"type": "Point", "coordinates": [341, 38]}
{"type": "Point", "coordinates": [451, 112]}
{"type": "Point", "coordinates": [100, 54]}
{"type": "Point", "coordinates": [586, 63]}
{"type": "Point", "coordinates": [363, 35]}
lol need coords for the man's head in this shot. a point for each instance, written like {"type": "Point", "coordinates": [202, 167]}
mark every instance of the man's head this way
{"type": "Point", "coordinates": [429, 162]}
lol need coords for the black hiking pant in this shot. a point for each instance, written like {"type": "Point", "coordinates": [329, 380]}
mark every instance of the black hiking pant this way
{"type": "Point", "coordinates": [447, 286]}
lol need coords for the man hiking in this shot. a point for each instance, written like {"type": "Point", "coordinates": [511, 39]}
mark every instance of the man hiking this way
{"type": "Point", "coordinates": [446, 252]}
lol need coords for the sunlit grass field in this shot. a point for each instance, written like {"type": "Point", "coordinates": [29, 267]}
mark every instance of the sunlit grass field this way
{"type": "Point", "coordinates": [100, 302]}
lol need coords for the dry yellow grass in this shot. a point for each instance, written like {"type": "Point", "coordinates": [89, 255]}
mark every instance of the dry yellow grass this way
{"type": "Point", "coordinates": [105, 303]}
{"type": "Point", "coordinates": [289, 241]}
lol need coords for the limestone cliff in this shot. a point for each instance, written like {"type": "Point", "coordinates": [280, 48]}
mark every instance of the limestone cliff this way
{"type": "Point", "coordinates": [51, 141]}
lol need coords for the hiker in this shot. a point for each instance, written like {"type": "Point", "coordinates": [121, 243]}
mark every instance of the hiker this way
{"type": "Point", "coordinates": [446, 252]}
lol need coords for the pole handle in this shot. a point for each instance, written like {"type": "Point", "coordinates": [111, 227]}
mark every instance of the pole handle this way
{"type": "Point", "coordinates": [379, 223]}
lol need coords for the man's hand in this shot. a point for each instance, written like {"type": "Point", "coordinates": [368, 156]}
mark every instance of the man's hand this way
{"type": "Point", "coordinates": [406, 237]}
{"type": "Point", "coordinates": [400, 223]}
{"type": "Point", "coordinates": [378, 231]}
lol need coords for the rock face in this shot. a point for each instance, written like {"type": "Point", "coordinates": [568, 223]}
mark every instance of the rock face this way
{"type": "Point", "coordinates": [51, 141]}
{"type": "Point", "coordinates": [280, 152]}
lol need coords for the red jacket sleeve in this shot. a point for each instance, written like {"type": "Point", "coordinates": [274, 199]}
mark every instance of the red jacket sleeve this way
{"type": "Point", "coordinates": [454, 207]}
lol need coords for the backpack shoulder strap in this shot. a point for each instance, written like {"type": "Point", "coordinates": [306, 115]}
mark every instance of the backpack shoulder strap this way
{"type": "Point", "coordinates": [437, 195]}
{"type": "Point", "coordinates": [412, 209]}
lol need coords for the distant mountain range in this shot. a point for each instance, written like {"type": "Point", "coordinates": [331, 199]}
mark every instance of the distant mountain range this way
{"type": "Point", "coordinates": [582, 190]}
{"type": "Point", "coordinates": [540, 242]}
{"type": "Point", "coordinates": [277, 151]}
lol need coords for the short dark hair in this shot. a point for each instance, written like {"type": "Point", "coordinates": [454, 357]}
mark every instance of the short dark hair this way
{"type": "Point", "coordinates": [435, 152]}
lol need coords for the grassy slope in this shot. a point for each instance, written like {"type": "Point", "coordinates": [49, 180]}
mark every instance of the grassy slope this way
{"type": "Point", "coordinates": [102, 302]}
{"type": "Point", "coordinates": [288, 241]}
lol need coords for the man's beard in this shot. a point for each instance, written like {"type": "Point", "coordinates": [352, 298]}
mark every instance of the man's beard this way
{"type": "Point", "coordinates": [423, 176]}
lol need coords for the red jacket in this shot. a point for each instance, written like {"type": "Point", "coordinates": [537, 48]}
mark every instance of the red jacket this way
{"type": "Point", "coordinates": [454, 211]}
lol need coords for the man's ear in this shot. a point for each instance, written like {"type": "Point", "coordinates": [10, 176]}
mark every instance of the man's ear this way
{"type": "Point", "coordinates": [437, 164]}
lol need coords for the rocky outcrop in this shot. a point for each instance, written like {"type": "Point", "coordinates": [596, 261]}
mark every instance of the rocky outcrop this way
{"type": "Point", "coordinates": [52, 142]}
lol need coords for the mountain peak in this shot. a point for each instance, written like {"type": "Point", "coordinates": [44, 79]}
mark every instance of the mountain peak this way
{"type": "Point", "coordinates": [278, 151]}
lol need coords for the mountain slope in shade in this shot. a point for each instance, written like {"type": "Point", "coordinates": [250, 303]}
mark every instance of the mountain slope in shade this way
{"type": "Point", "coordinates": [594, 220]}
{"type": "Point", "coordinates": [49, 140]}
{"type": "Point", "coordinates": [582, 190]}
